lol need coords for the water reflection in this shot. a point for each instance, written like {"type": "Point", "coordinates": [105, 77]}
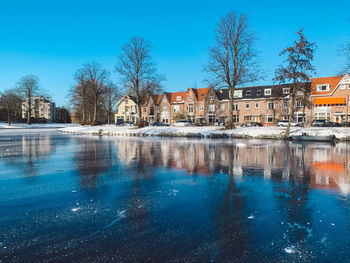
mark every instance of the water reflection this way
{"type": "Point", "coordinates": [29, 149]}
{"type": "Point", "coordinates": [93, 158]}
{"type": "Point", "coordinates": [322, 165]}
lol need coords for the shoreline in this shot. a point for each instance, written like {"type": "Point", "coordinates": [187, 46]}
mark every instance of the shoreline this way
{"type": "Point", "coordinates": [210, 132]}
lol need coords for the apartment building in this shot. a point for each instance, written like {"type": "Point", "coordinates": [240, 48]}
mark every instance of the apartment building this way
{"type": "Point", "coordinates": [42, 109]}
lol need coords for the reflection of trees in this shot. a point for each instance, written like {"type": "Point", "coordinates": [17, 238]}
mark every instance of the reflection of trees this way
{"type": "Point", "coordinates": [94, 158]}
{"type": "Point", "coordinates": [232, 229]}
{"type": "Point", "coordinates": [293, 196]}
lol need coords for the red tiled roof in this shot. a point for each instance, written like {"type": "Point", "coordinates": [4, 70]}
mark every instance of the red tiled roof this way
{"type": "Point", "coordinates": [333, 81]}
{"type": "Point", "coordinates": [174, 95]}
{"type": "Point", "coordinates": [202, 93]}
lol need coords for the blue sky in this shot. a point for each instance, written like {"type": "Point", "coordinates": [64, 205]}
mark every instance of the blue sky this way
{"type": "Point", "coordinates": [52, 39]}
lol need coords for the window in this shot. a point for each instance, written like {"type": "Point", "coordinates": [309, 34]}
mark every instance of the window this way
{"type": "Point", "coordinates": [201, 107]}
{"type": "Point", "coordinates": [126, 101]}
{"type": "Point", "coordinates": [286, 90]}
{"type": "Point", "coordinates": [258, 92]}
{"type": "Point", "coordinates": [165, 108]}
{"type": "Point", "coordinates": [342, 86]}
{"type": "Point", "coordinates": [178, 98]}
{"type": "Point", "coordinates": [176, 108]}
{"type": "Point", "coordinates": [270, 118]}
{"type": "Point", "coordinates": [211, 108]}
{"type": "Point", "coordinates": [126, 109]}
{"type": "Point", "coordinates": [300, 104]}
{"type": "Point", "coordinates": [164, 100]}
{"type": "Point", "coordinates": [235, 118]}
{"type": "Point", "coordinates": [144, 110]}
{"type": "Point", "coordinates": [285, 105]}
{"type": "Point", "coordinates": [257, 105]}
{"type": "Point", "coordinates": [323, 87]}
{"type": "Point", "coordinates": [267, 92]}
{"type": "Point", "coordinates": [211, 97]}
{"type": "Point", "coordinates": [248, 93]}
{"type": "Point", "coordinates": [190, 108]}
{"type": "Point", "coordinates": [300, 93]}
{"type": "Point", "coordinates": [247, 105]}
{"type": "Point", "coordinates": [271, 105]}
{"type": "Point", "coordinates": [222, 107]}
{"type": "Point", "coordinates": [235, 106]}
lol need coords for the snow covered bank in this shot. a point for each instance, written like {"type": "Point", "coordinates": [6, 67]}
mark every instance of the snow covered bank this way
{"type": "Point", "coordinates": [4, 125]}
{"type": "Point", "coordinates": [209, 132]}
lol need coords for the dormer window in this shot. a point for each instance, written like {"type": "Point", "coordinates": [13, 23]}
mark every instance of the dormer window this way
{"type": "Point", "coordinates": [258, 92]}
{"type": "Point", "coordinates": [286, 90]}
{"type": "Point", "coordinates": [267, 92]}
{"type": "Point", "coordinates": [248, 93]}
{"type": "Point", "coordinates": [322, 87]}
{"type": "Point", "coordinates": [178, 98]}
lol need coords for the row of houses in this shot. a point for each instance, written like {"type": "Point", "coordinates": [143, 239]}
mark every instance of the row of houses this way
{"type": "Point", "coordinates": [264, 104]}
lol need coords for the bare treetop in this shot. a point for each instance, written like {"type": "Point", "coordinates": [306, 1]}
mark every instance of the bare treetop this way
{"type": "Point", "coordinates": [233, 59]}
{"type": "Point", "coordinates": [138, 71]}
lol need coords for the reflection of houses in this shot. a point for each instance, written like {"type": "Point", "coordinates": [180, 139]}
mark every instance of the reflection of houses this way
{"type": "Point", "coordinates": [322, 165]}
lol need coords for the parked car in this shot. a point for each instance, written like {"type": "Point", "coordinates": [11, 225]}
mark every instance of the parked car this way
{"type": "Point", "coordinates": [284, 123]}
{"type": "Point", "coordinates": [158, 123]}
{"type": "Point", "coordinates": [252, 124]}
{"type": "Point", "coordinates": [120, 122]}
{"type": "Point", "coordinates": [182, 123]}
{"type": "Point", "coordinates": [129, 123]}
{"type": "Point", "coordinates": [324, 123]}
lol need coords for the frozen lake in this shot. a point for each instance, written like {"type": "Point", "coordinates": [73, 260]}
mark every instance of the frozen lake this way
{"type": "Point", "coordinates": [70, 198]}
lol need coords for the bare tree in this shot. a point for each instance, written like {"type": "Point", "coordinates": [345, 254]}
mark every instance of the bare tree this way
{"type": "Point", "coordinates": [233, 60]}
{"type": "Point", "coordinates": [27, 88]}
{"type": "Point", "coordinates": [345, 53]}
{"type": "Point", "coordinates": [79, 95]}
{"type": "Point", "coordinates": [297, 71]}
{"type": "Point", "coordinates": [138, 72]}
{"type": "Point", "coordinates": [12, 103]}
{"type": "Point", "coordinates": [89, 89]}
{"type": "Point", "coordinates": [110, 98]}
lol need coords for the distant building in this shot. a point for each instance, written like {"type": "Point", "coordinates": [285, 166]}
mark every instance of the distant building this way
{"type": "Point", "coordinates": [62, 115]}
{"type": "Point", "coordinates": [42, 109]}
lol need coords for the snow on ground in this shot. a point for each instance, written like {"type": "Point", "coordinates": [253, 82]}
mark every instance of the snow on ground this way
{"type": "Point", "coordinates": [4, 125]}
{"type": "Point", "coordinates": [253, 132]}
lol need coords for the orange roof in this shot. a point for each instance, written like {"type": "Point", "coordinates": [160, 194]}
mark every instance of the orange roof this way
{"type": "Point", "coordinates": [333, 81]}
{"type": "Point", "coordinates": [202, 93]}
{"type": "Point", "coordinates": [329, 100]}
{"type": "Point", "coordinates": [333, 166]}
{"type": "Point", "coordinates": [174, 95]}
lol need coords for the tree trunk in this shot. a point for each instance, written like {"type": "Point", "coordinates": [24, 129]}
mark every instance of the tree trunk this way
{"type": "Point", "coordinates": [230, 124]}
{"type": "Point", "coordinates": [291, 114]}
{"type": "Point", "coordinates": [139, 121]}
{"type": "Point", "coordinates": [95, 112]}
{"type": "Point", "coordinates": [8, 117]}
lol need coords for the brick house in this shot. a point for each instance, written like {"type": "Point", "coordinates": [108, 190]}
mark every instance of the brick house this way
{"type": "Point", "coordinates": [330, 98]}
{"type": "Point", "coordinates": [150, 108]}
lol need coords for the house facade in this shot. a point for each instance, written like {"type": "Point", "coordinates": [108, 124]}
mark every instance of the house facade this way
{"type": "Point", "coordinates": [330, 98]}
{"type": "Point", "coordinates": [264, 104]}
{"type": "Point", "coordinates": [126, 110]}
